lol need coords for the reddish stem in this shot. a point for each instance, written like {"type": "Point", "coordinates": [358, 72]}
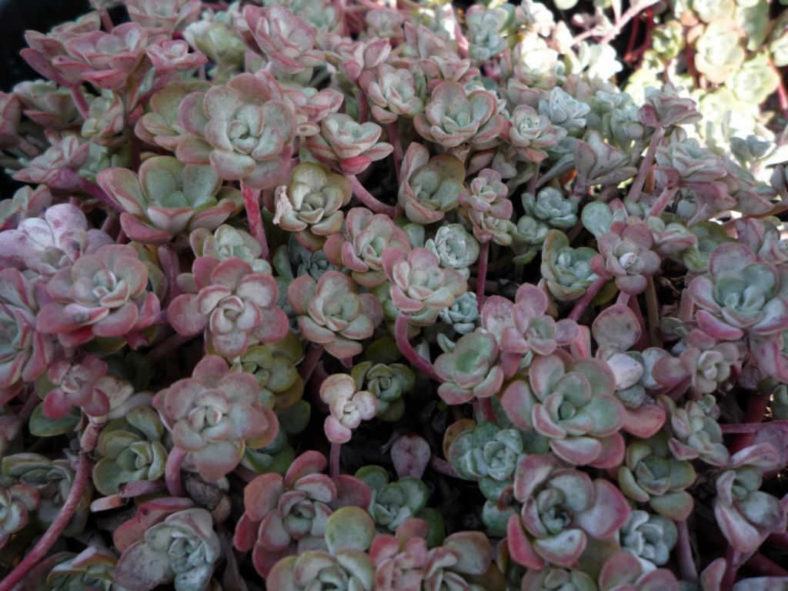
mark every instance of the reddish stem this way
{"type": "Point", "coordinates": [55, 529]}
{"type": "Point", "coordinates": [481, 274]}
{"type": "Point", "coordinates": [368, 199]}
{"type": "Point", "coordinates": [254, 217]}
{"type": "Point", "coordinates": [393, 132]}
{"type": "Point", "coordinates": [89, 438]}
{"type": "Point", "coordinates": [137, 488]}
{"type": "Point", "coordinates": [310, 361]}
{"type": "Point", "coordinates": [652, 312]}
{"type": "Point", "coordinates": [333, 461]}
{"type": "Point", "coordinates": [748, 428]}
{"type": "Point", "coordinates": [782, 94]}
{"type": "Point", "coordinates": [686, 562]}
{"type": "Point", "coordinates": [106, 19]}
{"type": "Point", "coordinates": [734, 560]}
{"type": "Point", "coordinates": [766, 567]}
{"type": "Point", "coordinates": [590, 294]}
{"type": "Point", "coordinates": [485, 408]}
{"type": "Point", "coordinates": [756, 408]}
{"type": "Point", "coordinates": [632, 38]}
{"type": "Point", "coordinates": [416, 360]}
{"type": "Point", "coordinates": [645, 165]}
{"type": "Point", "coordinates": [443, 467]}
{"type": "Point", "coordinates": [167, 346]}
{"type": "Point", "coordinates": [172, 471]}
{"type": "Point", "coordinates": [171, 267]}
{"type": "Point", "coordinates": [662, 201]}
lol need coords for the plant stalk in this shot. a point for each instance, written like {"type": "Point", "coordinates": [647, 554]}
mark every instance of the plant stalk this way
{"type": "Point", "coordinates": [481, 274]}
{"type": "Point", "coordinates": [251, 199]}
{"type": "Point", "coordinates": [648, 159]}
{"type": "Point", "coordinates": [590, 294]}
{"type": "Point", "coordinates": [416, 360]}
{"type": "Point", "coordinates": [368, 199]}
{"type": "Point", "coordinates": [334, 456]}
{"type": "Point", "coordinates": [56, 528]}
{"type": "Point", "coordinates": [172, 471]}
{"type": "Point", "coordinates": [652, 311]}
{"type": "Point", "coordinates": [686, 562]}
{"type": "Point", "coordinates": [311, 359]}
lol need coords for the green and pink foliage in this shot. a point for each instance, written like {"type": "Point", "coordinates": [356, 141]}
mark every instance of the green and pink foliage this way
{"type": "Point", "coordinates": [332, 313]}
{"type": "Point", "coordinates": [454, 116]}
{"type": "Point", "coordinates": [573, 404]}
{"type": "Point", "coordinates": [360, 245]}
{"type": "Point", "coordinates": [742, 296]}
{"type": "Point", "coordinates": [288, 514]}
{"type": "Point", "coordinates": [526, 294]}
{"type": "Point", "coordinates": [310, 204]}
{"type": "Point", "coordinates": [214, 415]}
{"type": "Point", "coordinates": [241, 136]}
{"type": "Point", "coordinates": [430, 186]}
{"type": "Point", "coordinates": [103, 294]}
{"type": "Point", "coordinates": [417, 281]}
{"type": "Point", "coordinates": [470, 370]}
{"type": "Point", "coordinates": [24, 351]}
{"type": "Point", "coordinates": [233, 305]}
{"type": "Point", "coordinates": [347, 406]}
{"type": "Point", "coordinates": [561, 508]}
{"type": "Point", "coordinates": [180, 550]}
{"type": "Point", "coordinates": [346, 145]}
{"type": "Point", "coordinates": [166, 198]}
{"type": "Point", "coordinates": [17, 501]}
{"type": "Point", "coordinates": [747, 515]}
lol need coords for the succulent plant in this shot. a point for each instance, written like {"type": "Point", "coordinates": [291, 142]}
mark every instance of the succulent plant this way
{"type": "Point", "coordinates": [743, 295]}
{"type": "Point", "coordinates": [331, 313]}
{"type": "Point", "coordinates": [274, 366]}
{"type": "Point", "coordinates": [92, 568]}
{"type": "Point", "coordinates": [454, 116]}
{"type": "Point", "coordinates": [309, 205]}
{"type": "Point", "coordinates": [232, 305]}
{"type": "Point", "coordinates": [348, 406]}
{"type": "Point", "coordinates": [651, 475]}
{"type": "Point", "coordinates": [242, 137]}
{"type": "Point", "coordinates": [282, 513]}
{"type": "Point", "coordinates": [393, 503]}
{"type": "Point", "coordinates": [532, 133]}
{"type": "Point", "coordinates": [388, 383]}
{"type": "Point", "coordinates": [347, 145]}
{"type": "Point", "coordinates": [745, 514]}
{"type": "Point", "coordinates": [214, 415]}
{"type": "Point", "coordinates": [17, 501]}
{"type": "Point", "coordinates": [181, 550]}
{"type": "Point", "coordinates": [430, 186]}
{"type": "Point", "coordinates": [392, 92]}
{"type": "Point", "coordinates": [571, 404]}
{"type": "Point", "coordinates": [129, 449]}
{"type": "Point", "coordinates": [649, 537]}
{"type": "Point", "coordinates": [100, 295]}
{"type": "Point", "coordinates": [695, 432]}
{"type": "Point", "coordinates": [567, 270]}
{"type": "Point", "coordinates": [418, 283]}
{"type": "Point", "coordinates": [470, 370]}
{"type": "Point", "coordinates": [167, 197]}
{"type": "Point", "coordinates": [562, 507]}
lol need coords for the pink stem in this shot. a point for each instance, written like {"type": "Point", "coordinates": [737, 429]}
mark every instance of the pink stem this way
{"type": "Point", "coordinates": [662, 201]}
{"type": "Point", "coordinates": [80, 102]}
{"type": "Point", "coordinates": [481, 274]}
{"type": "Point", "coordinates": [756, 408]}
{"type": "Point", "coordinates": [172, 471]}
{"type": "Point", "coordinates": [634, 305]}
{"type": "Point", "coordinates": [171, 267]}
{"type": "Point", "coordinates": [686, 562]}
{"type": "Point", "coordinates": [589, 295]}
{"type": "Point", "coordinates": [368, 199]}
{"type": "Point", "coordinates": [167, 346]}
{"type": "Point", "coordinates": [645, 166]}
{"type": "Point", "coordinates": [363, 107]}
{"type": "Point", "coordinates": [485, 408]}
{"type": "Point", "coordinates": [90, 437]}
{"type": "Point", "coordinates": [442, 466]}
{"type": "Point", "coordinates": [747, 428]}
{"type": "Point", "coordinates": [652, 312]}
{"type": "Point", "coordinates": [252, 204]}
{"type": "Point", "coordinates": [734, 560]}
{"type": "Point", "coordinates": [393, 131]}
{"type": "Point", "coordinates": [765, 566]}
{"type": "Point", "coordinates": [628, 15]}
{"type": "Point", "coordinates": [106, 19]}
{"type": "Point", "coordinates": [416, 360]}
{"type": "Point", "coordinates": [56, 528]}
{"type": "Point", "coordinates": [310, 361]}
{"type": "Point", "coordinates": [137, 488]}
{"type": "Point", "coordinates": [334, 459]}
